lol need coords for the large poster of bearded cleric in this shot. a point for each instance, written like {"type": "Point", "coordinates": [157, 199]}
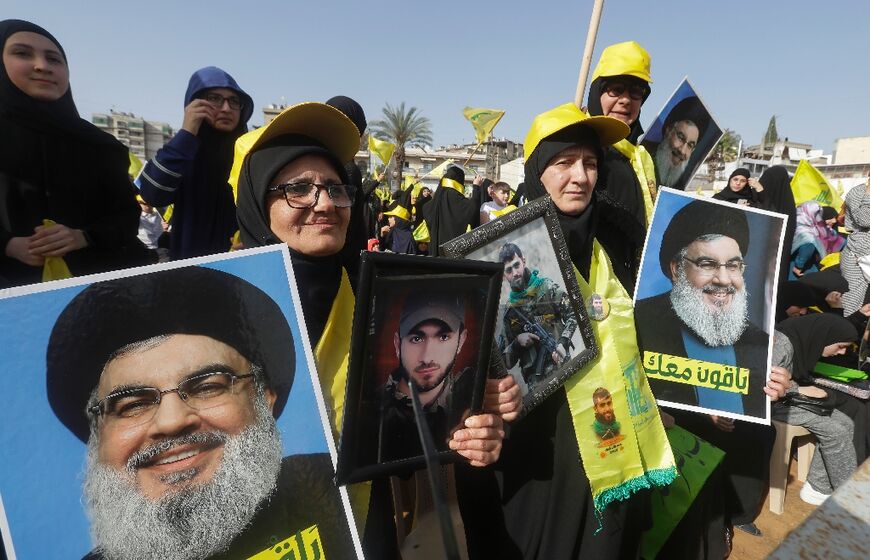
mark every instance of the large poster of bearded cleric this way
{"type": "Point", "coordinates": [681, 137]}
{"type": "Point", "coordinates": [170, 411]}
{"type": "Point", "coordinates": [704, 304]}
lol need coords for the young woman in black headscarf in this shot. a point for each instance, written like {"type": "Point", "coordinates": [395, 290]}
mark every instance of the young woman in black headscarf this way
{"type": "Point", "coordinates": [56, 166]}
{"type": "Point", "coordinates": [739, 190]}
{"type": "Point", "coordinates": [451, 214]}
{"type": "Point", "coordinates": [620, 86]}
{"type": "Point", "coordinates": [779, 198]}
{"type": "Point", "coordinates": [807, 339]}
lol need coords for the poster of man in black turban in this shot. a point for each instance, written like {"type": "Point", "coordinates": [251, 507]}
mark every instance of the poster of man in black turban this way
{"type": "Point", "coordinates": [704, 305]}
{"type": "Point", "coordinates": [680, 137]}
{"type": "Point", "coordinates": [172, 411]}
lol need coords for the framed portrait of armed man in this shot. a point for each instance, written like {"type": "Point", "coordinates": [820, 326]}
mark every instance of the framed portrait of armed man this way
{"type": "Point", "coordinates": [543, 331]}
{"type": "Point", "coordinates": [705, 303]}
{"type": "Point", "coordinates": [681, 137]}
{"type": "Point", "coordinates": [168, 411]}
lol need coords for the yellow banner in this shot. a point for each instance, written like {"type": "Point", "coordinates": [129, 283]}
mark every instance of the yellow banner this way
{"type": "Point", "coordinates": [304, 544]}
{"type": "Point", "coordinates": [483, 121]}
{"type": "Point", "coordinates": [381, 148]}
{"type": "Point", "coordinates": [696, 372]}
{"type": "Point", "coordinates": [808, 183]}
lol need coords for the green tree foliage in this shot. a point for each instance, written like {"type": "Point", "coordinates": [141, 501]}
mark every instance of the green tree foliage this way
{"type": "Point", "coordinates": [726, 150]}
{"type": "Point", "coordinates": [771, 136]}
{"type": "Point", "coordinates": [403, 127]}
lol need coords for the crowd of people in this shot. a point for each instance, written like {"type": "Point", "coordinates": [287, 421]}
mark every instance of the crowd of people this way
{"type": "Point", "coordinates": [66, 193]}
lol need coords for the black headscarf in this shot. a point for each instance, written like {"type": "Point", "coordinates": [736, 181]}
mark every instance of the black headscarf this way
{"type": "Point", "coordinates": [809, 335]}
{"type": "Point", "coordinates": [318, 278]}
{"type": "Point", "coordinates": [352, 110]}
{"type": "Point", "coordinates": [618, 177]}
{"type": "Point", "coordinates": [420, 207]}
{"type": "Point", "coordinates": [451, 212]}
{"type": "Point", "coordinates": [793, 293]}
{"type": "Point", "coordinates": [577, 229]}
{"type": "Point", "coordinates": [746, 193]}
{"type": "Point", "coordinates": [58, 117]}
{"type": "Point", "coordinates": [593, 101]}
{"type": "Point", "coordinates": [400, 239]}
{"type": "Point", "coordinates": [778, 197]}
{"type": "Point", "coordinates": [604, 219]}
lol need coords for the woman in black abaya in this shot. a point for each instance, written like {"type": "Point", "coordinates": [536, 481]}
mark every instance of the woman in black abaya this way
{"type": "Point", "coordinates": [56, 166]}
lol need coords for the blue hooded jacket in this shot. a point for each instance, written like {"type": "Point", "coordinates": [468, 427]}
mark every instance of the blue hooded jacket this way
{"type": "Point", "coordinates": [191, 172]}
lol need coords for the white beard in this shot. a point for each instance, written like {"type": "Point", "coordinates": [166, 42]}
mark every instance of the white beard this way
{"type": "Point", "coordinates": [668, 174]}
{"type": "Point", "coordinates": [195, 521]}
{"type": "Point", "coordinates": [719, 327]}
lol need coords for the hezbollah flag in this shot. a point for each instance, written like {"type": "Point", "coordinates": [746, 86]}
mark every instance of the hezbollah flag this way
{"type": "Point", "coordinates": [809, 184]}
{"type": "Point", "coordinates": [383, 149]}
{"type": "Point", "coordinates": [483, 121]}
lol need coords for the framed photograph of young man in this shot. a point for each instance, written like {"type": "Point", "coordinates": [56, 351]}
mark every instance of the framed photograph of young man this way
{"type": "Point", "coordinates": [681, 137]}
{"type": "Point", "coordinates": [423, 322]}
{"type": "Point", "coordinates": [169, 411]}
{"type": "Point", "coordinates": [705, 304]}
{"type": "Point", "coordinates": [543, 334]}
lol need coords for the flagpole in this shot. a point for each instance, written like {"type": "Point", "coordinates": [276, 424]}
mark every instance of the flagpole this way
{"type": "Point", "coordinates": [587, 51]}
{"type": "Point", "coordinates": [476, 148]}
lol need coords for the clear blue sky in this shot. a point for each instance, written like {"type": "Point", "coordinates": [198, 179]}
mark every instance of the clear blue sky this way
{"type": "Point", "coordinates": [804, 61]}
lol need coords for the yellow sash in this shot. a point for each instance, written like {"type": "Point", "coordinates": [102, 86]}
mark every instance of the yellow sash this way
{"type": "Point", "coordinates": [639, 456]}
{"type": "Point", "coordinates": [331, 356]}
{"type": "Point", "coordinates": [503, 211]}
{"type": "Point", "coordinates": [643, 167]}
{"type": "Point", "coordinates": [455, 185]}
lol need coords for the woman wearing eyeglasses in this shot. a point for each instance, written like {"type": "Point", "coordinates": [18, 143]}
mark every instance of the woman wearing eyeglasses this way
{"type": "Point", "coordinates": [191, 170]}
{"type": "Point", "coordinates": [620, 85]}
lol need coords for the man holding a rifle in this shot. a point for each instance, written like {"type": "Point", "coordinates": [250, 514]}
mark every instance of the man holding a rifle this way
{"type": "Point", "coordinates": [539, 321]}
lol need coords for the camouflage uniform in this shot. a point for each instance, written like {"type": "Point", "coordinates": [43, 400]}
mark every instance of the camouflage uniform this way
{"type": "Point", "coordinates": [546, 304]}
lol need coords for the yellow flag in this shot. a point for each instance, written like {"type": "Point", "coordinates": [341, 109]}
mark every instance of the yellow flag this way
{"type": "Point", "coordinates": [809, 184]}
{"type": "Point", "coordinates": [383, 149]}
{"type": "Point", "coordinates": [483, 121]}
{"type": "Point", "coordinates": [408, 181]}
{"type": "Point", "coordinates": [439, 170]}
{"type": "Point", "coordinates": [54, 268]}
{"type": "Point", "coordinates": [136, 165]}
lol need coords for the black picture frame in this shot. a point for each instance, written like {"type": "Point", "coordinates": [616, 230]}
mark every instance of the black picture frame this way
{"type": "Point", "coordinates": [535, 222]}
{"type": "Point", "coordinates": [378, 434]}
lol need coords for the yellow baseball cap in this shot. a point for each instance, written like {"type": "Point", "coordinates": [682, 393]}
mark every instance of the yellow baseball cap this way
{"type": "Point", "coordinates": [624, 59]}
{"type": "Point", "coordinates": [609, 130]}
{"type": "Point", "coordinates": [318, 121]}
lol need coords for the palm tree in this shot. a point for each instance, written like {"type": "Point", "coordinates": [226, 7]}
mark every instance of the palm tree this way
{"type": "Point", "coordinates": [403, 128]}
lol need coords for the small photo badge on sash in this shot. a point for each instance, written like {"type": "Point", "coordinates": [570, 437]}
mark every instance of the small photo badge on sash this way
{"type": "Point", "coordinates": [597, 307]}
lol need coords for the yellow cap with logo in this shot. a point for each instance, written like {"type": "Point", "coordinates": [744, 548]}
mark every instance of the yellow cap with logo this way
{"type": "Point", "coordinates": [318, 121]}
{"type": "Point", "coordinates": [624, 59]}
{"type": "Point", "coordinates": [609, 130]}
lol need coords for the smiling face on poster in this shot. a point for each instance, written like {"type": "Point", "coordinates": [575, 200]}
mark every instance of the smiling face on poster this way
{"type": "Point", "coordinates": [681, 137]}
{"type": "Point", "coordinates": [704, 305]}
{"type": "Point", "coordinates": [157, 403]}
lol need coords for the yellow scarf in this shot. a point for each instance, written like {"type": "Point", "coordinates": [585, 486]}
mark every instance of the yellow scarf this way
{"type": "Point", "coordinates": [503, 211]}
{"type": "Point", "coordinates": [639, 456]}
{"type": "Point", "coordinates": [643, 167]}
{"type": "Point", "coordinates": [331, 356]}
{"type": "Point", "coordinates": [455, 185]}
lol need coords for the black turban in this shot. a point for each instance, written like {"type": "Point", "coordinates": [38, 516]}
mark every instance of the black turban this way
{"type": "Point", "coordinates": [109, 315]}
{"type": "Point", "coordinates": [699, 218]}
{"type": "Point", "coordinates": [689, 109]}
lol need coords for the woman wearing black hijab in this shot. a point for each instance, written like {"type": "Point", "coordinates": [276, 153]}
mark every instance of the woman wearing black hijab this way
{"type": "Point", "coordinates": [399, 238]}
{"type": "Point", "coordinates": [450, 213]}
{"type": "Point", "coordinates": [807, 339]}
{"type": "Point", "coordinates": [779, 198]}
{"type": "Point", "coordinates": [739, 190]}
{"type": "Point", "coordinates": [620, 86]}
{"type": "Point", "coordinates": [55, 165]}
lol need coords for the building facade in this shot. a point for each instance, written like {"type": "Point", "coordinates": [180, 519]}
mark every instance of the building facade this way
{"type": "Point", "coordinates": [143, 137]}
